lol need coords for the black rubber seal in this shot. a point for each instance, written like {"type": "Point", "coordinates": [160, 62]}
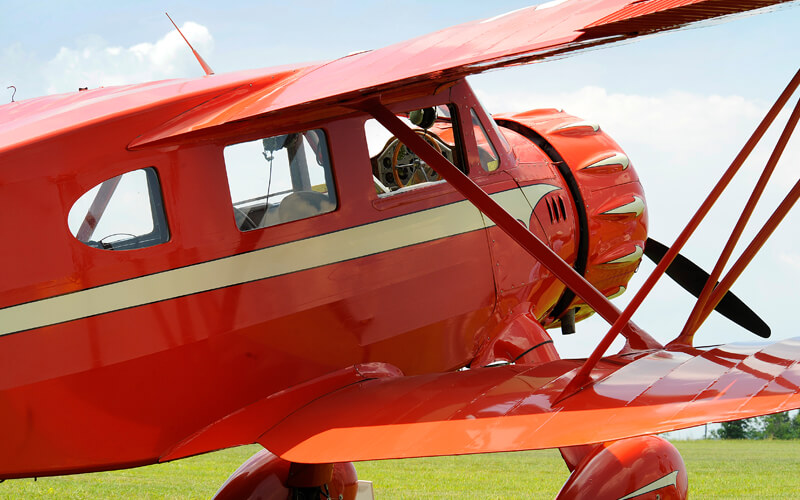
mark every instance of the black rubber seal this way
{"type": "Point", "coordinates": [582, 258]}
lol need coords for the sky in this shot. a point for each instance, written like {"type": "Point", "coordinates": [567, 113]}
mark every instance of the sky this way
{"type": "Point", "coordinates": [680, 104]}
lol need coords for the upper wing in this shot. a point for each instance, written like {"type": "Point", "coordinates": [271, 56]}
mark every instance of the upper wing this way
{"type": "Point", "coordinates": [512, 408]}
{"type": "Point", "coordinates": [522, 36]}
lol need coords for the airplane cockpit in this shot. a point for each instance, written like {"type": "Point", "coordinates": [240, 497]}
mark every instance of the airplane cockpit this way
{"type": "Point", "coordinates": [395, 166]}
{"type": "Point", "coordinates": [288, 177]}
{"type": "Point", "coordinates": [282, 178]}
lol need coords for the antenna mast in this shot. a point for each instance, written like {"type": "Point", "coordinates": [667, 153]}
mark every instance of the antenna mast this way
{"type": "Point", "coordinates": [199, 58]}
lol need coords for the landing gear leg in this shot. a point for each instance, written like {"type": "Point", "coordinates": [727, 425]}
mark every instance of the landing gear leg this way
{"type": "Point", "coordinates": [267, 477]}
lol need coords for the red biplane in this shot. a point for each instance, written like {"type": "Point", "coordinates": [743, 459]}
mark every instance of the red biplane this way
{"type": "Point", "coordinates": [353, 261]}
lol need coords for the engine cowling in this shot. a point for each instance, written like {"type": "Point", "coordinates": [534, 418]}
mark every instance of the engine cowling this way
{"type": "Point", "coordinates": [606, 193]}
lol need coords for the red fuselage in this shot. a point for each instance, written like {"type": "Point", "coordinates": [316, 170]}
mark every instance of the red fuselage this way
{"type": "Point", "coordinates": [111, 358]}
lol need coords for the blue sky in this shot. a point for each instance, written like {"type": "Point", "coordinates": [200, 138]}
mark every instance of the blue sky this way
{"type": "Point", "coordinates": [746, 53]}
{"type": "Point", "coordinates": [680, 104]}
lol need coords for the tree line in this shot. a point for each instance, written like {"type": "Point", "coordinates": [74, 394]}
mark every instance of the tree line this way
{"type": "Point", "coordinates": [777, 426]}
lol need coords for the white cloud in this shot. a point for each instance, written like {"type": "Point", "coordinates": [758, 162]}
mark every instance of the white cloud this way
{"type": "Point", "coordinates": [94, 63]}
{"type": "Point", "coordinates": [791, 259]}
{"type": "Point", "coordinates": [680, 143]}
{"type": "Point", "coordinates": [19, 69]}
{"type": "Point", "coordinates": [674, 121]}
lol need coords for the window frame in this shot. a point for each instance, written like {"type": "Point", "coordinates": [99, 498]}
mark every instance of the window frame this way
{"type": "Point", "coordinates": [328, 172]}
{"type": "Point", "coordinates": [158, 235]}
{"type": "Point", "coordinates": [458, 150]}
{"type": "Point", "coordinates": [476, 120]}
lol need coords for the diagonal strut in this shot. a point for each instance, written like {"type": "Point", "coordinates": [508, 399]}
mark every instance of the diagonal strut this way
{"type": "Point", "coordinates": [505, 221]}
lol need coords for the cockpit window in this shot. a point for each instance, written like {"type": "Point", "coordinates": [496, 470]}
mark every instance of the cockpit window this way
{"type": "Point", "coordinates": [280, 179]}
{"type": "Point", "coordinates": [486, 151]}
{"type": "Point", "coordinates": [395, 167]}
{"type": "Point", "coordinates": [122, 213]}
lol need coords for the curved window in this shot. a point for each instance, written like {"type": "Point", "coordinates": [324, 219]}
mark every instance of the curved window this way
{"type": "Point", "coordinates": [123, 213]}
{"type": "Point", "coordinates": [280, 179]}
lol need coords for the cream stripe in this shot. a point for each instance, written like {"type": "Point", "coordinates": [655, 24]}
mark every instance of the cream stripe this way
{"type": "Point", "coordinates": [377, 237]}
{"type": "Point", "coordinates": [521, 207]}
{"type": "Point", "coordinates": [615, 159]}
{"type": "Point", "coordinates": [670, 479]}
{"type": "Point", "coordinates": [634, 207]}
{"type": "Point", "coordinates": [594, 126]}
{"type": "Point", "coordinates": [627, 259]}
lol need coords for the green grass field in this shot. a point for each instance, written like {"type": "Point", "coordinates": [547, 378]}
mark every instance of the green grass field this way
{"type": "Point", "coordinates": [717, 469]}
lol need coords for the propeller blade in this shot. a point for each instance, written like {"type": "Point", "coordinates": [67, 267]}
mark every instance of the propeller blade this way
{"type": "Point", "coordinates": [692, 278]}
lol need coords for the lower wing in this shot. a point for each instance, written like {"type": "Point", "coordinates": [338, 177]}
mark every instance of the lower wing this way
{"type": "Point", "coordinates": [513, 407]}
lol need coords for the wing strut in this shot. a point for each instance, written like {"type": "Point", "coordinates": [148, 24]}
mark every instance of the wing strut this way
{"type": "Point", "coordinates": [516, 230]}
{"type": "Point", "coordinates": [97, 209]}
{"type": "Point", "coordinates": [582, 377]}
{"type": "Point", "coordinates": [711, 294]}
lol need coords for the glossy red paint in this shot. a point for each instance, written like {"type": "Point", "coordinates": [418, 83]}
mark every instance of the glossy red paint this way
{"type": "Point", "coordinates": [609, 204]}
{"type": "Point", "coordinates": [514, 228]}
{"type": "Point", "coordinates": [262, 476]}
{"type": "Point", "coordinates": [517, 407]}
{"type": "Point", "coordinates": [246, 425]}
{"type": "Point", "coordinates": [647, 467]}
{"type": "Point", "coordinates": [221, 336]}
{"type": "Point", "coordinates": [521, 340]}
{"type": "Point", "coordinates": [266, 477]}
{"type": "Point", "coordinates": [231, 333]}
{"type": "Point", "coordinates": [526, 35]}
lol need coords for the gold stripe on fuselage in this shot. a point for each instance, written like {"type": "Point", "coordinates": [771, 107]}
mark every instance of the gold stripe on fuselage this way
{"type": "Point", "coordinates": [376, 237]}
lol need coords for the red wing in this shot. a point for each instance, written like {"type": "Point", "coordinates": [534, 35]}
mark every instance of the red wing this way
{"type": "Point", "coordinates": [523, 36]}
{"type": "Point", "coordinates": [511, 408]}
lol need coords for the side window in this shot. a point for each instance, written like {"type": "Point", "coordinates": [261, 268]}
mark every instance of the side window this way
{"type": "Point", "coordinates": [122, 213]}
{"type": "Point", "coordinates": [280, 179]}
{"type": "Point", "coordinates": [395, 167]}
{"type": "Point", "coordinates": [486, 151]}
